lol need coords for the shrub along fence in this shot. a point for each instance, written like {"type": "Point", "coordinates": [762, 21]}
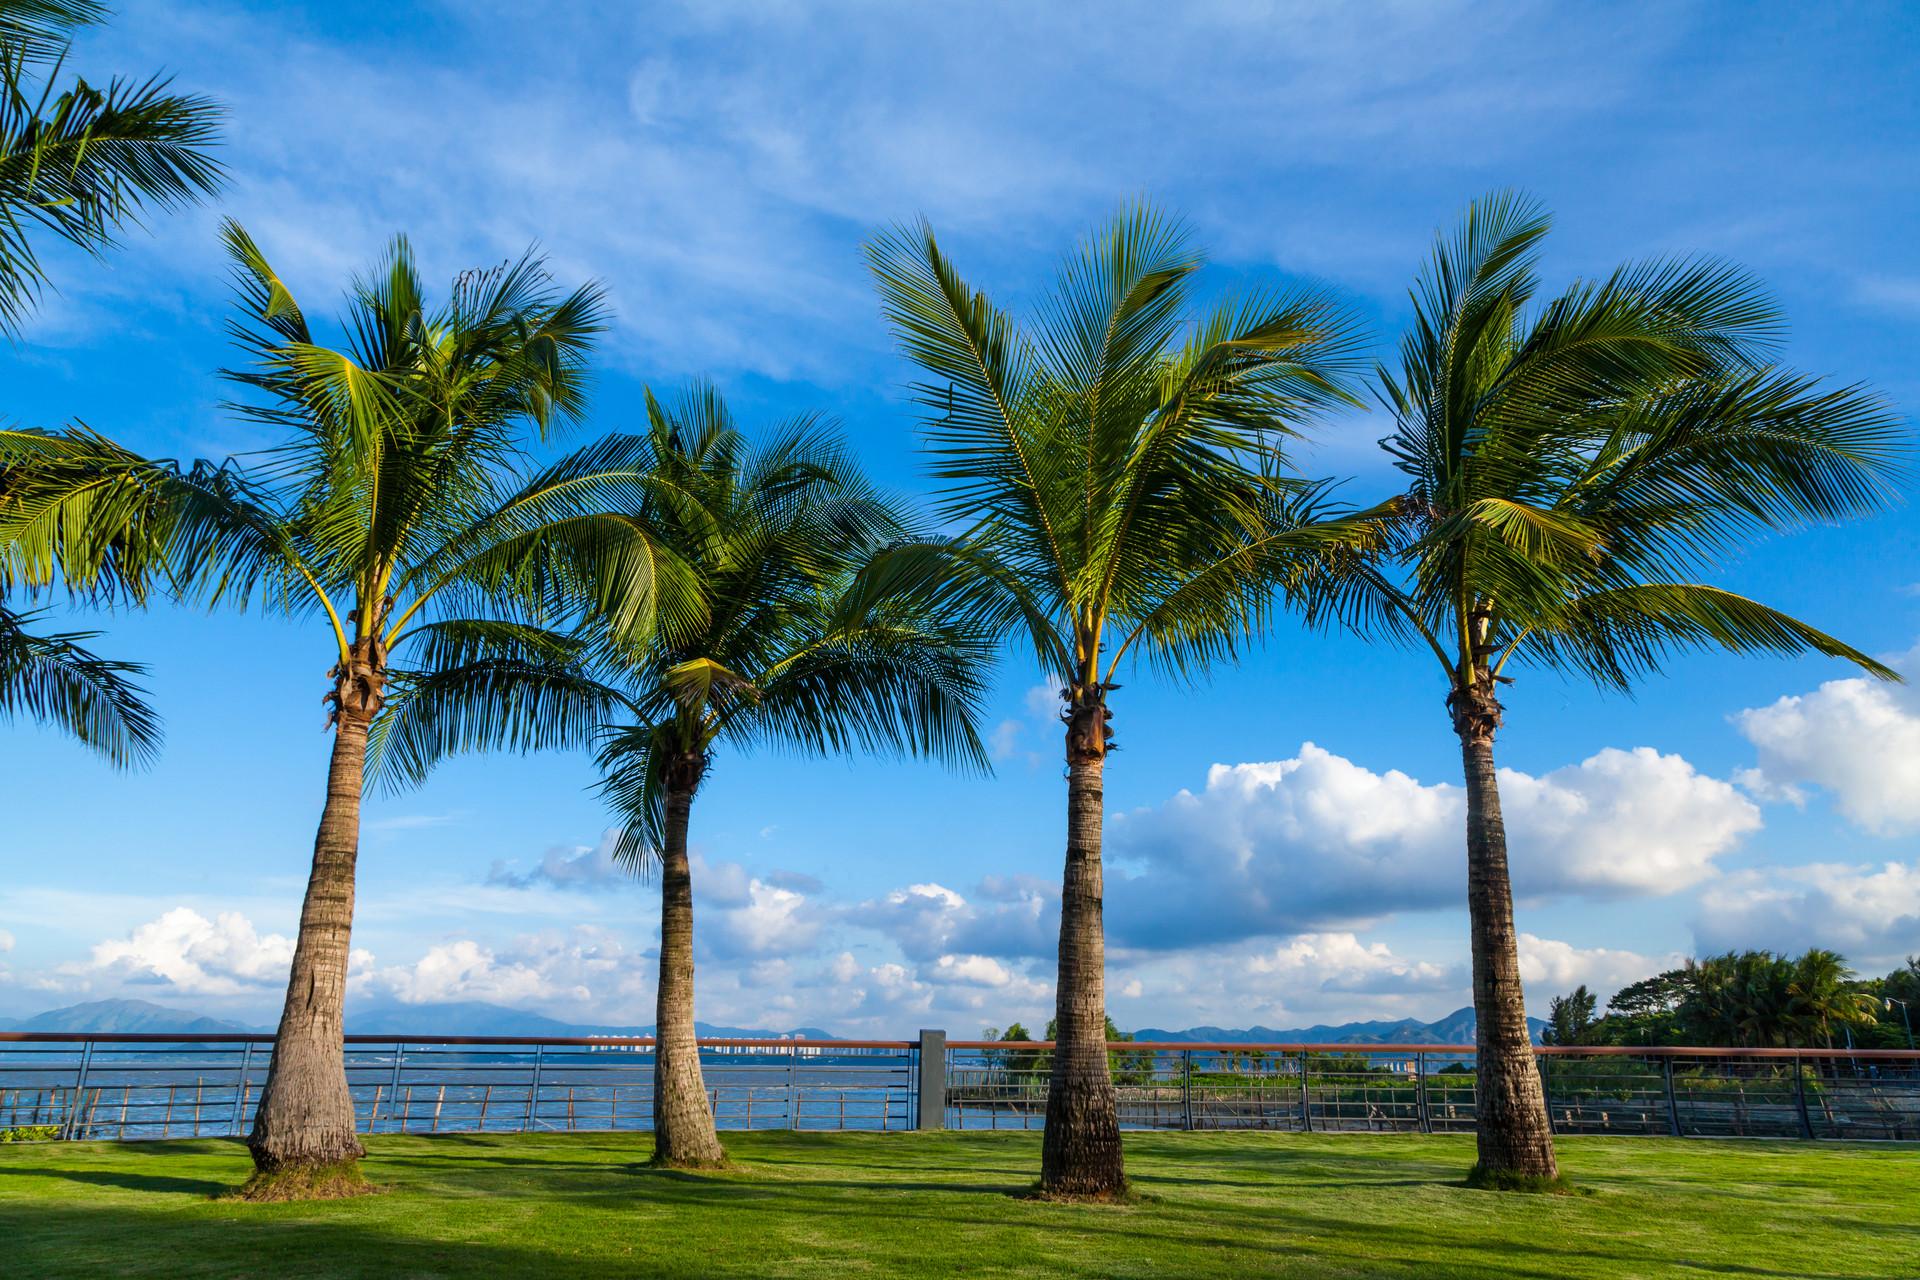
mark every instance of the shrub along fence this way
{"type": "Point", "coordinates": [158, 1086]}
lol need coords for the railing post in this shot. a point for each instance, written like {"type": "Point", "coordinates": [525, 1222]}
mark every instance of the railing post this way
{"type": "Point", "coordinates": [1800, 1098]}
{"type": "Point", "coordinates": [931, 1087]}
{"type": "Point", "coordinates": [1186, 1088]}
{"type": "Point", "coordinates": [533, 1089]}
{"type": "Point", "coordinates": [393, 1093]}
{"type": "Point", "coordinates": [240, 1090]}
{"type": "Point", "coordinates": [1306, 1100]}
{"type": "Point", "coordinates": [793, 1087]}
{"type": "Point", "coordinates": [71, 1122]}
{"type": "Point", "coordinates": [1673, 1102]}
{"type": "Point", "coordinates": [1545, 1064]}
{"type": "Point", "coordinates": [1420, 1108]}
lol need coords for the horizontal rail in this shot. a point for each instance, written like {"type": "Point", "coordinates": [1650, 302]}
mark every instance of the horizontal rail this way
{"type": "Point", "coordinates": [264, 1037]}
{"type": "Point", "coordinates": [71, 1085]}
{"type": "Point", "coordinates": [1389, 1050]}
{"type": "Point", "coordinates": [1114, 1046]}
{"type": "Point", "coordinates": [57, 1085]}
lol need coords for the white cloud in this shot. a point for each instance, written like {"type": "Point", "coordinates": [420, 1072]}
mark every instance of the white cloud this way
{"type": "Point", "coordinates": [576, 866]}
{"type": "Point", "coordinates": [767, 919]}
{"type": "Point", "coordinates": [1859, 739]}
{"type": "Point", "coordinates": [183, 949]}
{"type": "Point", "coordinates": [6, 941]}
{"type": "Point", "coordinates": [1315, 977]}
{"type": "Point", "coordinates": [586, 972]}
{"type": "Point", "coordinates": [1549, 967]}
{"type": "Point", "coordinates": [1341, 962]}
{"type": "Point", "coordinates": [465, 970]}
{"type": "Point", "coordinates": [1318, 841]}
{"type": "Point", "coordinates": [1871, 914]}
{"type": "Point", "coordinates": [1015, 916]}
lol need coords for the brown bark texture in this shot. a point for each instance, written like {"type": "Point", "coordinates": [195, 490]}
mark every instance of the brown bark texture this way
{"type": "Point", "coordinates": [1080, 1151]}
{"type": "Point", "coordinates": [1512, 1128]}
{"type": "Point", "coordinates": [683, 1128]}
{"type": "Point", "coordinates": [305, 1117]}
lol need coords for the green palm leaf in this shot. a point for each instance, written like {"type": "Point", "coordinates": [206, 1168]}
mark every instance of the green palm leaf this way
{"type": "Point", "coordinates": [57, 680]}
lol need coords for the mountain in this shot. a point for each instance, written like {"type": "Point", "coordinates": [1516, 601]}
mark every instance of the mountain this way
{"type": "Point", "coordinates": [123, 1017]}
{"type": "Point", "coordinates": [455, 1018]}
{"type": "Point", "coordinates": [477, 1018]}
{"type": "Point", "coordinates": [381, 1018]}
{"type": "Point", "coordinates": [1456, 1028]}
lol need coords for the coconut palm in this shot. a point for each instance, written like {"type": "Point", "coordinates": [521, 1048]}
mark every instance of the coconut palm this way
{"type": "Point", "coordinates": [399, 509]}
{"type": "Point", "coordinates": [1825, 993]}
{"type": "Point", "coordinates": [1568, 465]}
{"type": "Point", "coordinates": [786, 655]}
{"type": "Point", "coordinates": [77, 163]}
{"type": "Point", "coordinates": [1106, 464]}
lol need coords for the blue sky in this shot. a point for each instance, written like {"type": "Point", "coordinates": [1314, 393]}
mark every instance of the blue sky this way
{"type": "Point", "coordinates": [1286, 838]}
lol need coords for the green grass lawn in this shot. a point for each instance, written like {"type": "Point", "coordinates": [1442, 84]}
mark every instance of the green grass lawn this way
{"type": "Point", "coordinates": [847, 1205]}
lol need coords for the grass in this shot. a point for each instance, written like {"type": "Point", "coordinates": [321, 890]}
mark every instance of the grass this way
{"type": "Point", "coordinates": [850, 1205]}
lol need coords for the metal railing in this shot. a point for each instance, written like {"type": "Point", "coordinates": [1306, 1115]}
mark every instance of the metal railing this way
{"type": "Point", "coordinates": [171, 1086]}
{"type": "Point", "coordinates": [1678, 1092]}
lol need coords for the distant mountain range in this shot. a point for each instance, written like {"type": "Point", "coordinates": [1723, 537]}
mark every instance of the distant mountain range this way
{"type": "Point", "coordinates": [1456, 1028]}
{"type": "Point", "coordinates": [475, 1018]}
{"type": "Point", "coordinates": [465, 1018]}
{"type": "Point", "coordinates": [124, 1017]}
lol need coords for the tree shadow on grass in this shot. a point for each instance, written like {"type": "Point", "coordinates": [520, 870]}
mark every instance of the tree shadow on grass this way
{"type": "Point", "coordinates": [156, 1183]}
{"type": "Point", "coordinates": [578, 1229]}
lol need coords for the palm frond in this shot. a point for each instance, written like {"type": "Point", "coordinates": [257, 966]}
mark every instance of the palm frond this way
{"type": "Point", "coordinates": [486, 686]}
{"type": "Point", "coordinates": [1620, 634]}
{"type": "Point", "coordinates": [57, 680]}
{"type": "Point", "coordinates": [1567, 464]}
{"type": "Point", "coordinates": [84, 163]}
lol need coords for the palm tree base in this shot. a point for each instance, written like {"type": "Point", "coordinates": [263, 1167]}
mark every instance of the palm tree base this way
{"type": "Point", "coordinates": [692, 1163]}
{"type": "Point", "coordinates": [339, 1180]}
{"type": "Point", "coordinates": [1123, 1194]}
{"type": "Point", "coordinates": [1481, 1178]}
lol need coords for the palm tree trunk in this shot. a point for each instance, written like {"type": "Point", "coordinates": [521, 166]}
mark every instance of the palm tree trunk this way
{"type": "Point", "coordinates": [1080, 1152]}
{"type": "Point", "coordinates": [1510, 1108]}
{"type": "Point", "coordinates": [306, 1118]}
{"type": "Point", "coordinates": [683, 1130]}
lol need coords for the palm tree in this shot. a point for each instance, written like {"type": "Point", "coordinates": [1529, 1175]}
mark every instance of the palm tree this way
{"type": "Point", "coordinates": [1105, 465]}
{"type": "Point", "coordinates": [79, 164]}
{"type": "Point", "coordinates": [1566, 466]}
{"type": "Point", "coordinates": [399, 509]}
{"type": "Point", "coordinates": [787, 654]}
{"type": "Point", "coordinates": [1824, 993]}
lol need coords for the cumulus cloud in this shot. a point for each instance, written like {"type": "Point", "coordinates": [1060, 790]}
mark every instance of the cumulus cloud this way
{"type": "Point", "coordinates": [1325, 976]}
{"type": "Point", "coordinates": [583, 970]}
{"type": "Point", "coordinates": [1010, 916]}
{"type": "Point", "coordinates": [183, 949]}
{"type": "Point", "coordinates": [1549, 967]}
{"type": "Point", "coordinates": [765, 919]}
{"type": "Point", "coordinates": [1871, 914]}
{"type": "Point", "coordinates": [1857, 739]}
{"type": "Point", "coordinates": [576, 866]}
{"type": "Point", "coordinates": [1318, 841]}
{"type": "Point", "coordinates": [465, 970]}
